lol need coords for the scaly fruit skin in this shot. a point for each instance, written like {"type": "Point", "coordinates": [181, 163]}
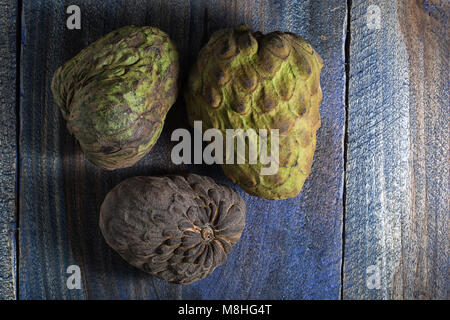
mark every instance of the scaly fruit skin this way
{"type": "Point", "coordinates": [178, 228]}
{"type": "Point", "coordinates": [246, 80]}
{"type": "Point", "coordinates": [115, 94]}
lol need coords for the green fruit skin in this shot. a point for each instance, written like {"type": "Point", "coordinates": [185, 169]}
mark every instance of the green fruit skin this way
{"type": "Point", "coordinates": [246, 80]}
{"type": "Point", "coordinates": [115, 94]}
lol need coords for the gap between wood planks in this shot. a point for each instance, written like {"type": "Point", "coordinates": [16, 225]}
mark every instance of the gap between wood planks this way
{"type": "Point", "coordinates": [18, 127]}
{"type": "Point", "coordinates": [347, 80]}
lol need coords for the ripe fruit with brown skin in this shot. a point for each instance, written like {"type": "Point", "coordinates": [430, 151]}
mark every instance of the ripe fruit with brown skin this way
{"type": "Point", "coordinates": [245, 80]}
{"type": "Point", "coordinates": [176, 228]}
{"type": "Point", "coordinates": [115, 94]}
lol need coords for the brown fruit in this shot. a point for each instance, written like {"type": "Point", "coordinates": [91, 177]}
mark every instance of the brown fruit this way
{"type": "Point", "coordinates": [176, 228]}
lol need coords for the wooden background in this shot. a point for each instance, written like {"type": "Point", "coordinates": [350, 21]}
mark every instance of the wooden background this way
{"type": "Point", "coordinates": [375, 204]}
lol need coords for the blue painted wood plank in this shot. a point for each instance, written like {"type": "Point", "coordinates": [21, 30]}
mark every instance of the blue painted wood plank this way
{"type": "Point", "coordinates": [8, 17]}
{"type": "Point", "coordinates": [396, 223]}
{"type": "Point", "coordinates": [290, 249]}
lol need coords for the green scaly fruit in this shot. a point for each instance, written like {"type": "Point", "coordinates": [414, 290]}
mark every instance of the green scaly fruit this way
{"type": "Point", "coordinates": [245, 80]}
{"type": "Point", "coordinates": [115, 94]}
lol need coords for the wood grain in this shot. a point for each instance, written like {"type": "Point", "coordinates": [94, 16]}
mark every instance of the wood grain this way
{"type": "Point", "coordinates": [290, 249]}
{"type": "Point", "coordinates": [397, 160]}
{"type": "Point", "coordinates": [8, 17]}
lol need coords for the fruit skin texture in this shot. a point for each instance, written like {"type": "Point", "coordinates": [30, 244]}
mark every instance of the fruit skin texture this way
{"type": "Point", "coordinates": [115, 94]}
{"type": "Point", "coordinates": [246, 80]}
{"type": "Point", "coordinates": [178, 228]}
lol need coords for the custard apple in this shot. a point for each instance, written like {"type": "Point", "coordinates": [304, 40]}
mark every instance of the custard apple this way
{"type": "Point", "coordinates": [248, 80]}
{"type": "Point", "coordinates": [115, 94]}
{"type": "Point", "coordinates": [178, 228]}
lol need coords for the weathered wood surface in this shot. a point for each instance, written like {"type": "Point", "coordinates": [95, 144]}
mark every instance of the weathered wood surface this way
{"type": "Point", "coordinates": [397, 159]}
{"type": "Point", "coordinates": [290, 249]}
{"type": "Point", "coordinates": [8, 16]}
